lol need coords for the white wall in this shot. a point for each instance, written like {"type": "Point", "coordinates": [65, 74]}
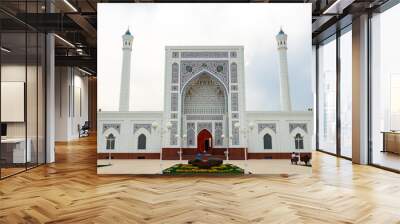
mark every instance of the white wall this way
{"type": "Point", "coordinates": [282, 138]}
{"type": "Point", "coordinates": [71, 102]}
{"type": "Point", "coordinates": [126, 138]}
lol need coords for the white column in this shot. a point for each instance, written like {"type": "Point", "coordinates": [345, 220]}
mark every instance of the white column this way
{"type": "Point", "coordinates": [50, 98]}
{"type": "Point", "coordinates": [360, 90]}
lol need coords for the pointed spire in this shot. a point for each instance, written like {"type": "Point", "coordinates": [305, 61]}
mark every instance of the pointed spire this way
{"type": "Point", "coordinates": [128, 32]}
{"type": "Point", "coordinates": [281, 31]}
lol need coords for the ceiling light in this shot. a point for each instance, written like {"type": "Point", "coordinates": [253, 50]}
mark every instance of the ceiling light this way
{"type": "Point", "coordinates": [5, 50]}
{"type": "Point", "coordinates": [338, 6]}
{"type": "Point", "coordinates": [70, 5]}
{"type": "Point", "coordinates": [64, 40]}
{"type": "Point", "coordinates": [84, 71]}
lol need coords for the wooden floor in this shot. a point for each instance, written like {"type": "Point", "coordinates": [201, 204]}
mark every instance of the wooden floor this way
{"type": "Point", "coordinates": [70, 191]}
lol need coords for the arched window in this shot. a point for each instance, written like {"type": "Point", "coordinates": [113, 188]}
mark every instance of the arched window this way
{"type": "Point", "coordinates": [267, 141]}
{"type": "Point", "coordinates": [110, 141]}
{"type": "Point", "coordinates": [142, 141]}
{"type": "Point", "coordinates": [298, 141]}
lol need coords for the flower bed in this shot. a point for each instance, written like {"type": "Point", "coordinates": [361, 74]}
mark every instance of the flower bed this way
{"type": "Point", "coordinates": [190, 169]}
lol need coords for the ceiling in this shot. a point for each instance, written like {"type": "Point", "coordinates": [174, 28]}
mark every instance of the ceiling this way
{"type": "Point", "coordinates": [75, 22]}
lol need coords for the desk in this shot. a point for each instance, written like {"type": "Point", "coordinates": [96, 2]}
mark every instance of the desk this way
{"type": "Point", "coordinates": [15, 148]}
{"type": "Point", "coordinates": [391, 142]}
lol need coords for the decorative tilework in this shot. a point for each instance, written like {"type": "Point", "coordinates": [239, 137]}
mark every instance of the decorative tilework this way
{"type": "Point", "coordinates": [262, 126]}
{"type": "Point", "coordinates": [174, 88]}
{"type": "Point", "coordinates": [117, 127]}
{"type": "Point", "coordinates": [204, 125]}
{"type": "Point", "coordinates": [174, 130]}
{"type": "Point", "coordinates": [235, 116]}
{"type": "Point", "coordinates": [175, 73]}
{"type": "Point", "coordinates": [204, 54]}
{"type": "Point", "coordinates": [191, 68]}
{"type": "Point", "coordinates": [174, 101]}
{"type": "Point", "coordinates": [234, 77]}
{"type": "Point", "coordinates": [174, 115]}
{"type": "Point", "coordinates": [204, 117]}
{"type": "Point", "coordinates": [218, 134]}
{"type": "Point", "coordinates": [175, 54]}
{"type": "Point", "coordinates": [292, 126]}
{"type": "Point", "coordinates": [235, 102]}
{"type": "Point", "coordinates": [235, 134]}
{"type": "Point", "coordinates": [136, 127]}
{"type": "Point", "coordinates": [191, 134]}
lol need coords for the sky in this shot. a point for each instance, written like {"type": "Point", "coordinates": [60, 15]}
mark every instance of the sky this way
{"type": "Point", "coordinates": [155, 26]}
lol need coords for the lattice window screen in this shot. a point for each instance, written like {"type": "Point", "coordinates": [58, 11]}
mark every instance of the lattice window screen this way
{"type": "Point", "coordinates": [174, 131]}
{"type": "Point", "coordinates": [175, 73]}
{"type": "Point", "coordinates": [235, 134]}
{"type": "Point", "coordinates": [218, 134]}
{"type": "Point", "coordinates": [174, 101]}
{"type": "Point", "coordinates": [234, 78]}
{"type": "Point", "coordinates": [191, 134]}
{"type": "Point", "coordinates": [235, 102]}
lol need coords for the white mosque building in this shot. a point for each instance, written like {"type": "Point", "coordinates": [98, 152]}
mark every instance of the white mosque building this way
{"type": "Point", "coordinates": [204, 111]}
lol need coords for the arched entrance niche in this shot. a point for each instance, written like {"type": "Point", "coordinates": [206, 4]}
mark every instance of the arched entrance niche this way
{"type": "Point", "coordinates": [204, 105]}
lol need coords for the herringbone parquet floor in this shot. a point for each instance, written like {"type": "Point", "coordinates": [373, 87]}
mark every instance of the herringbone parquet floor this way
{"type": "Point", "coordinates": [70, 191]}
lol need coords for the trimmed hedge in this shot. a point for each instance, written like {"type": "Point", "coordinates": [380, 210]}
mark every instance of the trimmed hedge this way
{"type": "Point", "coordinates": [206, 164]}
{"type": "Point", "coordinates": [191, 169]}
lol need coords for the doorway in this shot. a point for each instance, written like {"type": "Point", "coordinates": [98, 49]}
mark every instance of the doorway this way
{"type": "Point", "coordinates": [204, 141]}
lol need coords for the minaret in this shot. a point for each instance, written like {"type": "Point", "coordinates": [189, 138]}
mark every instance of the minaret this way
{"type": "Point", "coordinates": [281, 38]}
{"type": "Point", "coordinates": [127, 39]}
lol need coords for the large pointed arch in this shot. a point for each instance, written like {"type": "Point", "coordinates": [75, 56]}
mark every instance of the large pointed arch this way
{"type": "Point", "coordinates": [204, 71]}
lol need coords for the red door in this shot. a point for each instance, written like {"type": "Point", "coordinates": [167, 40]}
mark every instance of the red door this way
{"type": "Point", "coordinates": [204, 141]}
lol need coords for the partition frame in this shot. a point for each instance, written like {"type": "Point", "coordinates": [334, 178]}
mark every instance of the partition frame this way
{"type": "Point", "coordinates": [44, 94]}
{"type": "Point", "coordinates": [339, 32]}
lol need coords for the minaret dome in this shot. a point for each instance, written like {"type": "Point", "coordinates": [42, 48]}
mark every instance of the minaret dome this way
{"type": "Point", "coordinates": [281, 38]}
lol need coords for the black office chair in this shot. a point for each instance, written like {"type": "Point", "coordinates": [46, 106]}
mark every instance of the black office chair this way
{"type": "Point", "coordinates": [84, 130]}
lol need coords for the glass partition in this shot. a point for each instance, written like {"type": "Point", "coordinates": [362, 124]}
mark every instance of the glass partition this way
{"type": "Point", "coordinates": [13, 95]}
{"type": "Point", "coordinates": [385, 88]}
{"type": "Point", "coordinates": [22, 67]}
{"type": "Point", "coordinates": [327, 96]}
{"type": "Point", "coordinates": [346, 93]}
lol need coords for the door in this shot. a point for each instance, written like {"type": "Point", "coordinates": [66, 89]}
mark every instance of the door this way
{"type": "Point", "coordinates": [204, 141]}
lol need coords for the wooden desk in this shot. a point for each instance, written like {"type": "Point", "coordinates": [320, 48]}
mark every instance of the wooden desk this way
{"type": "Point", "coordinates": [13, 150]}
{"type": "Point", "coordinates": [391, 142]}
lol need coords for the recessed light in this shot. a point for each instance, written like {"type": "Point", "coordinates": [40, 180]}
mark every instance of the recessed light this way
{"type": "Point", "coordinates": [64, 40]}
{"type": "Point", "coordinates": [70, 5]}
{"type": "Point", "coordinates": [5, 50]}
